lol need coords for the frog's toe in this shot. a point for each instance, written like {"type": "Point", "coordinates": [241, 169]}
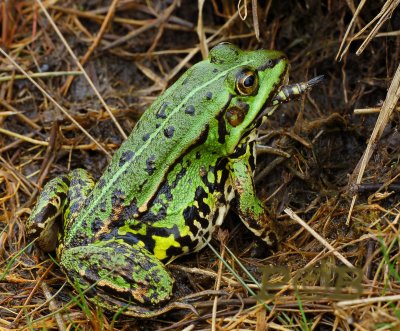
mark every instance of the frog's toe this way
{"type": "Point", "coordinates": [116, 275]}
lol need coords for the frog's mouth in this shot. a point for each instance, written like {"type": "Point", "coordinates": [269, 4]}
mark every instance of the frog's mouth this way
{"type": "Point", "coordinates": [268, 108]}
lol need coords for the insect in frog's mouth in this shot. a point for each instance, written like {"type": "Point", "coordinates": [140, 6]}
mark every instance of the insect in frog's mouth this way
{"type": "Point", "coordinates": [287, 92]}
{"type": "Point", "coordinates": [270, 105]}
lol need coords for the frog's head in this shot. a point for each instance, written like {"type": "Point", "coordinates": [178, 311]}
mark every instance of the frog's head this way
{"type": "Point", "coordinates": [253, 80]}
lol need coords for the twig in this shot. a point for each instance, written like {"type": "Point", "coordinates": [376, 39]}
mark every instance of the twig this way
{"type": "Point", "coordinates": [332, 249]}
{"type": "Point", "coordinates": [40, 75]}
{"type": "Point", "coordinates": [388, 106]}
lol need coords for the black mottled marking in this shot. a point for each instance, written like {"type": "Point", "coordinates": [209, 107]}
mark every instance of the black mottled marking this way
{"type": "Point", "coordinates": [88, 201]}
{"type": "Point", "coordinates": [185, 81]}
{"type": "Point", "coordinates": [204, 223]}
{"type": "Point", "coordinates": [204, 178]}
{"type": "Point", "coordinates": [253, 224]}
{"type": "Point", "coordinates": [103, 206]}
{"type": "Point", "coordinates": [193, 228]}
{"type": "Point", "coordinates": [161, 112]}
{"type": "Point", "coordinates": [146, 137]}
{"type": "Point", "coordinates": [190, 214]}
{"type": "Point", "coordinates": [209, 95]}
{"type": "Point", "coordinates": [81, 238]}
{"type": "Point", "coordinates": [126, 157]}
{"type": "Point", "coordinates": [198, 155]}
{"type": "Point", "coordinates": [129, 238]}
{"type": "Point", "coordinates": [75, 191]}
{"type": "Point", "coordinates": [215, 217]}
{"type": "Point", "coordinates": [158, 125]}
{"type": "Point", "coordinates": [66, 180]}
{"type": "Point", "coordinates": [229, 189]}
{"type": "Point", "coordinates": [273, 238]}
{"type": "Point", "coordinates": [240, 150]}
{"type": "Point", "coordinates": [172, 252]}
{"type": "Point", "coordinates": [178, 177]}
{"type": "Point", "coordinates": [185, 241]}
{"type": "Point", "coordinates": [252, 159]}
{"type": "Point", "coordinates": [166, 191]}
{"type": "Point", "coordinates": [117, 198]}
{"type": "Point", "coordinates": [222, 132]}
{"type": "Point", "coordinates": [222, 166]}
{"type": "Point", "coordinates": [96, 225]}
{"type": "Point", "coordinates": [147, 240]}
{"type": "Point", "coordinates": [47, 212]}
{"type": "Point", "coordinates": [199, 196]}
{"type": "Point", "coordinates": [166, 232]}
{"type": "Point", "coordinates": [150, 165]}
{"type": "Point", "coordinates": [149, 217]}
{"type": "Point", "coordinates": [78, 181]}
{"type": "Point", "coordinates": [215, 70]}
{"type": "Point", "coordinates": [101, 183]}
{"type": "Point", "coordinates": [201, 139]}
{"type": "Point", "coordinates": [169, 132]}
{"type": "Point", "coordinates": [75, 207]}
{"type": "Point", "coordinates": [130, 211]}
{"type": "Point", "coordinates": [190, 110]}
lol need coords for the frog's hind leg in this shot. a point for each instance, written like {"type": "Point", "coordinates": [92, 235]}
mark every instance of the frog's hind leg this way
{"type": "Point", "coordinates": [120, 276]}
{"type": "Point", "coordinates": [62, 195]}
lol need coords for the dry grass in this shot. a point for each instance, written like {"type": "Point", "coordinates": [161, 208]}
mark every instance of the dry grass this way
{"type": "Point", "coordinates": [336, 196]}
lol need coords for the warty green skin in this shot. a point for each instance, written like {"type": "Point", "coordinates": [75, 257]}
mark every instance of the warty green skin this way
{"type": "Point", "coordinates": [166, 189]}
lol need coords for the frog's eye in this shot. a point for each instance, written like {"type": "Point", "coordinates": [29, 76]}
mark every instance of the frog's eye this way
{"type": "Point", "coordinates": [247, 82]}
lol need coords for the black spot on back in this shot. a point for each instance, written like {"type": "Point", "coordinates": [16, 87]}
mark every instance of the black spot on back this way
{"type": "Point", "coordinates": [130, 211]}
{"type": "Point", "coordinates": [161, 112]}
{"type": "Point", "coordinates": [125, 157]}
{"type": "Point", "coordinates": [169, 132]}
{"type": "Point", "coordinates": [150, 164]}
{"type": "Point", "coordinates": [190, 110]}
{"type": "Point", "coordinates": [146, 137]}
{"type": "Point", "coordinates": [101, 183]}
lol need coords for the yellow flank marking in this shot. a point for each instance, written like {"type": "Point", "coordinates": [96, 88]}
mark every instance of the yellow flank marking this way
{"type": "Point", "coordinates": [126, 228]}
{"type": "Point", "coordinates": [219, 176]}
{"type": "Point", "coordinates": [162, 244]}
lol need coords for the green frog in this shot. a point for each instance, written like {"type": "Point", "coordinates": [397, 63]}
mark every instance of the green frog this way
{"type": "Point", "coordinates": [188, 160]}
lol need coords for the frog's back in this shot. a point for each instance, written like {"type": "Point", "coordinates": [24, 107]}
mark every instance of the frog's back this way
{"type": "Point", "coordinates": [176, 122]}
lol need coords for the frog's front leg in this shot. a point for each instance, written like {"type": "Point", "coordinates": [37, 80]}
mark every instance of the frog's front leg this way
{"type": "Point", "coordinates": [246, 204]}
{"type": "Point", "coordinates": [62, 195]}
{"type": "Point", "coordinates": [120, 276]}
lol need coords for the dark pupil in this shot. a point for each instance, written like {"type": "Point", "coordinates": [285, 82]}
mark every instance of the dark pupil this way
{"type": "Point", "coordinates": [249, 81]}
